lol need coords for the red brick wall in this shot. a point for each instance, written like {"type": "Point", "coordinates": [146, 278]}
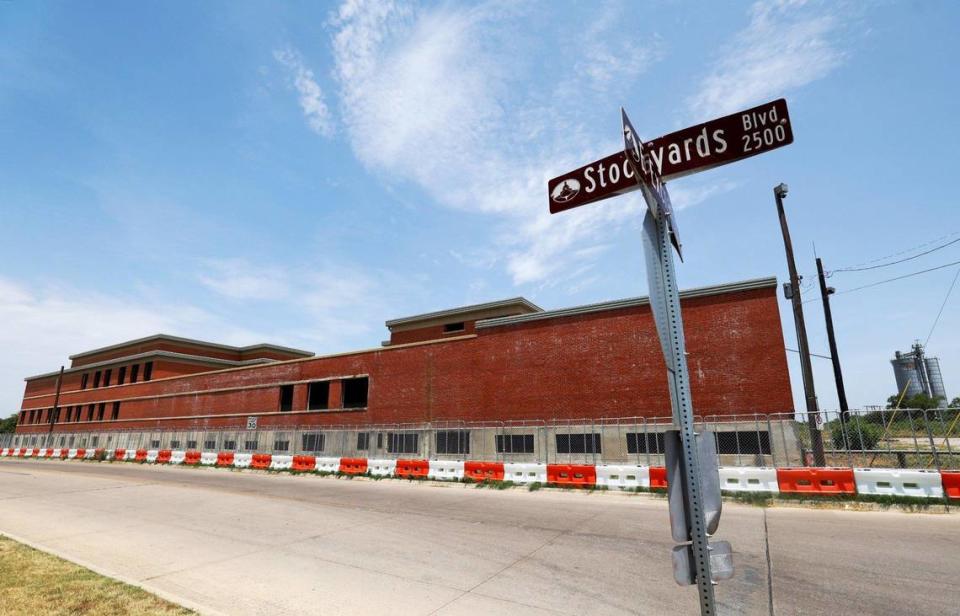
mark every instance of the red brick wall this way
{"type": "Point", "coordinates": [604, 364]}
{"type": "Point", "coordinates": [434, 332]}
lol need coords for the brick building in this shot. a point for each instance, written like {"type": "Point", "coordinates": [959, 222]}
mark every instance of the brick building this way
{"type": "Point", "coordinates": [501, 361]}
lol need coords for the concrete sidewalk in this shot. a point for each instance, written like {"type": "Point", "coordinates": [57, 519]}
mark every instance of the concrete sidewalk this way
{"type": "Point", "coordinates": [251, 543]}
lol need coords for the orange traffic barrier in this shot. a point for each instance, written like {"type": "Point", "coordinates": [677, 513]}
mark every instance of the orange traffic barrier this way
{"type": "Point", "coordinates": [48, 453]}
{"type": "Point", "coordinates": [225, 458]}
{"type": "Point", "coordinates": [483, 471]}
{"type": "Point", "coordinates": [353, 466]}
{"type": "Point", "coordinates": [191, 457]}
{"type": "Point", "coordinates": [413, 468]}
{"type": "Point", "coordinates": [572, 474]}
{"type": "Point", "coordinates": [64, 453]}
{"type": "Point", "coordinates": [163, 456]}
{"type": "Point", "coordinates": [261, 460]}
{"type": "Point", "coordinates": [141, 455]}
{"type": "Point", "coordinates": [22, 452]}
{"type": "Point", "coordinates": [81, 453]}
{"type": "Point", "coordinates": [817, 480]}
{"type": "Point", "coordinates": [99, 453]}
{"type": "Point", "coordinates": [304, 463]}
{"type": "Point", "coordinates": [36, 452]}
{"type": "Point", "coordinates": [119, 454]}
{"type": "Point", "coordinates": [951, 483]}
{"type": "Point", "coordinates": [658, 477]}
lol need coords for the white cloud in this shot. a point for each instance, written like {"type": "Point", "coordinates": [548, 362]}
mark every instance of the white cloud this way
{"type": "Point", "coordinates": [311, 95]}
{"type": "Point", "coordinates": [787, 44]}
{"type": "Point", "coordinates": [438, 98]}
{"type": "Point", "coordinates": [238, 279]}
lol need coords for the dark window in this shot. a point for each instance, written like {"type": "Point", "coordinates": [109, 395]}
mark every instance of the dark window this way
{"type": "Point", "coordinates": [363, 441]}
{"type": "Point", "coordinates": [175, 444]}
{"type": "Point", "coordinates": [514, 443]}
{"type": "Point", "coordinates": [116, 411]}
{"type": "Point", "coordinates": [121, 375]}
{"type": "Point", "coordinates": [83, 380]}
{"type": "Point", "coordinates": [30, 417]}
{"type": "Point", "coordinates": [379, 440]}
{"type": "Point", "coordinates": [743, 442]}
{"type": "Point", "coordinates": [134, 372]}
{"type": "Point", "coordinates": [94, 441]}
{"type": "Point", "coordinates": [453, 441]}
{"type": "Point", "coordinates": [23, 417]}
{"type": "Point", "coordinates": [148, 371]}
{"type": "Point", "coordinates": [229, 445]}
{"type": "Point", "coordinates": [96, 379]}
{"type": "Point", "coordinates": [578, 443]}
{"type": "Point", "coordinates": [210, 444]}
{"type": "Point", "coordinates": [403, 442]}
{"type": "Point", "coordinates": [645, 442]}
{"type": "Point", "coordinates": [62, 439]}
{"type": "Point", "coordinates": [313, 442]}
{"type": "Point", "coordinates": [453, 327]}
{"type": "Point", "coordinates": [191, 444]}
{"type": "Point", "coordinates": [106, 377]}
{"type": "Point", "coordinates": [154, 444]}
{"type": "Point", "coordinates": [90, 412]}
{"type": "Point", "coordinates": [318, 394]}
{"type": "Point", "coordinates": [250, 445]}
{"type": "Point", "coordinates": [355, 392]}
{"type": "Point", "coordinates": [70, 444]}
{"type": "Point", "coordinates": [101, 408]}
{"type": "Point", "coordinates": [279, 445]}
{"type": "Point", "coordinates": [286, 398]}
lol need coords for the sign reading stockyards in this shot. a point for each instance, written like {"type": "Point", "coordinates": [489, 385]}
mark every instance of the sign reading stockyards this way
{"type": "Point", "coordinates": [696, 148]}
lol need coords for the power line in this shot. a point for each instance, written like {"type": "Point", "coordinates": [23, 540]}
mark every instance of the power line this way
{"type": "Point", "coordinates": [916, 256]}
{"type": "Point", "coordinates": [937, 320]}
{"type": "Point", "coordinates": [874, 284]}
{"type": "Point", "coordinates": [862, 266]}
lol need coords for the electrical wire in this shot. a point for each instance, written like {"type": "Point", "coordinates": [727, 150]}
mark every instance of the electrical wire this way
{"type": "Point", "coordinates": [860, 267]}
{"type": "Point", "coordinates": [880, 282]}
{"type": "Point", "coordinates": [937, 320]}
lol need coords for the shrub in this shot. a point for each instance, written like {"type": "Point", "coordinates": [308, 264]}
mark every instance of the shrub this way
{"type": "Point", "coordinates": [860, 434]}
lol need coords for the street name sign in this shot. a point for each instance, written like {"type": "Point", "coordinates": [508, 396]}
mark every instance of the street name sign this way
{"type": "Point", "coordinates": [693, 149]}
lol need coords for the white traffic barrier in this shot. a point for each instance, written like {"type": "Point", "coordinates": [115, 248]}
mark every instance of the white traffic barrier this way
{"type": "Point", "coordinates": [71, 453]}
{"type": "Point", "coordinates": [901, 482]}
{"type": "Point", "coordinates": [3, 452]}
{"type": "Point", "coordinates": [748, 479]}
{"type": "Point", "coordinates": [29, 453]}
{"type": "Point", "coordinates": [177, 456]}
{"type": "Point", "coordinates": [525, 472]}
{"type": "Point", "coordinates": [280, 463]}
{"type": "Point", "coordinates": [328, 465]}
{"type": "Point", "coordinates": [242, 460]}
{"type": "Point", "coordinates": [208, 458]}
{"type": "Point", "coordinates": [382, 468]}
{"type": "Point", "coordinates": [623, 476]}
{"type": "Point", "coordinates": [90, 453]}
{"type": "Point", "coordinates": [131, 454]}
{"type": "Point", "coordinates": [57, 453]}
{"type": "Point", "coordinates": [152, 455]}
{"type": "Point", "coordinates": [448, 470]}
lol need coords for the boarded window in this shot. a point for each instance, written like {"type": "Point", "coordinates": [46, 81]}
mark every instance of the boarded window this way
{"type": "Point", "coordinates": [313, 442]}
{"type": "Point", "coordinates": [453, 441]}
{"type": "Point", "coordinates": [403, 442]}
{"type": "Point", "coordinates": [515, 443]}
{"type": "Point", "coordinates": [645, 442]}
{"type": "Point", "coordinates": [578, 443]}
{"type": "Point", "coordinates": [148, 371]}
{"type": "Point", "coordinates": [363, 441]}
{"type": "Point", "coordinates": [286, 398]}
{"type": "Point", "coordinates": [355, 392]}
{"type": "Point", "coordinates": [318, 395]}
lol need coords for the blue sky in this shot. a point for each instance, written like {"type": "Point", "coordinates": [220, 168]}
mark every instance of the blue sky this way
{"type": "Point", "coordinates": [299, 173]}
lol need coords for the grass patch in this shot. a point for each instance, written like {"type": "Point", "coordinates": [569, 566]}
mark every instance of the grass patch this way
{"type": "Point", "coordinates": [766, 499]}
{"type": "Point", "coordinates": [33, 582]}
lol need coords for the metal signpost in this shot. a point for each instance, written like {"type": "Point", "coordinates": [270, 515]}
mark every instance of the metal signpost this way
{"type": "Point", "coordinates": [692, 476]}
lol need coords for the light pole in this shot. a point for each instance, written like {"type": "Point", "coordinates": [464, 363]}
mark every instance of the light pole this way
{"type": "Point", "coordinates": [816, 438]}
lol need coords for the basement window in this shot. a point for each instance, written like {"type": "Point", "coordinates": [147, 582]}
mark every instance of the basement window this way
{"type": "Point", "coordinates": [121, 375]}
{"type": "Point", "coordinates": [281, 445]}
{"type": "Point", "coordinates": [210, 443]}
{"type": "Point", "coordinates": [94, 441]}
{"type": "Point", "coordinates": [450, 328]}
{"type": "Point", "coordinates": [286, 398]}
{"type": "Point", "coordinates": [749, 442]}
{"type": "Point", "coordinates": [453, 441]}
{"type": "Point", "coordinates": [148, 371]}
{"type": "Point", "coordinates": [191, 444]}
{"type": "Point", "coordinates": [645, 442]}
{"type": "Point", "coordinates": [578, 443]}
{"type": "Point", "coordinates": [355, 392]}
{"type": "Point", "coordinates": [403, 442]}
{"type": "Point", "coordinates": [318, 394]}
{"type": "Point", "coordinates": [134, 372]}
{"type": "Point", "coordinates": [363, 441]}
{"type": "Point", "coordinates": [514, 443]}
{"type": "Point", "coordinates": [175, 444]}
{"type": "Point", "coordinates": [250, 445]}
{"type": "Point", "coordinates": [154, 444]}
{"type": "Point", "coordinates": [229, 445]}
{"type": "Point", "coordinates": [313, 442]}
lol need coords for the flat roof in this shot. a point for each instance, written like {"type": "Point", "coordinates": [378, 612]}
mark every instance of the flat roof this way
{"type": "Point", "coordinates": [212, 345]}
{"type": "Point", "coordinates": [160, 354]}
{"type": "Point", "coordinates": [513, 302]}
{"type": "Point", "coordinates": [720, 289]}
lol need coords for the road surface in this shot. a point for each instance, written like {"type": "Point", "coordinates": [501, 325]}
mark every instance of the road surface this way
{"type": "Point", "coordinates": [250, 543]}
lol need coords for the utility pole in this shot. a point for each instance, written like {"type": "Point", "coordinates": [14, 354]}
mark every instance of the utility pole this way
{"type": "Point", "coordinates": [806, 368]}
{"type": "Point", "coordinates": [825, 293]}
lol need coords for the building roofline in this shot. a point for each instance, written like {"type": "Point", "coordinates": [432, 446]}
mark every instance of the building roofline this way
{"type": "Point", "coordinates": [193, 341]}
{"type": "Point", "coordinates": [183, 357]}
{"type": "Point", "coordinates": [503, 303]}
{"type": "Point", "coordinates": [732, 287]}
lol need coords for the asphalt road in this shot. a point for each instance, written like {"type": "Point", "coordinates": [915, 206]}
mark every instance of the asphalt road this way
{"type": "Point", "coordinates": [251, 543]}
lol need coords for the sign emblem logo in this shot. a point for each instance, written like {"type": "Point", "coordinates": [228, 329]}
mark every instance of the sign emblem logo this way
{"type": "Point", "coordinates": [565, 190]}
